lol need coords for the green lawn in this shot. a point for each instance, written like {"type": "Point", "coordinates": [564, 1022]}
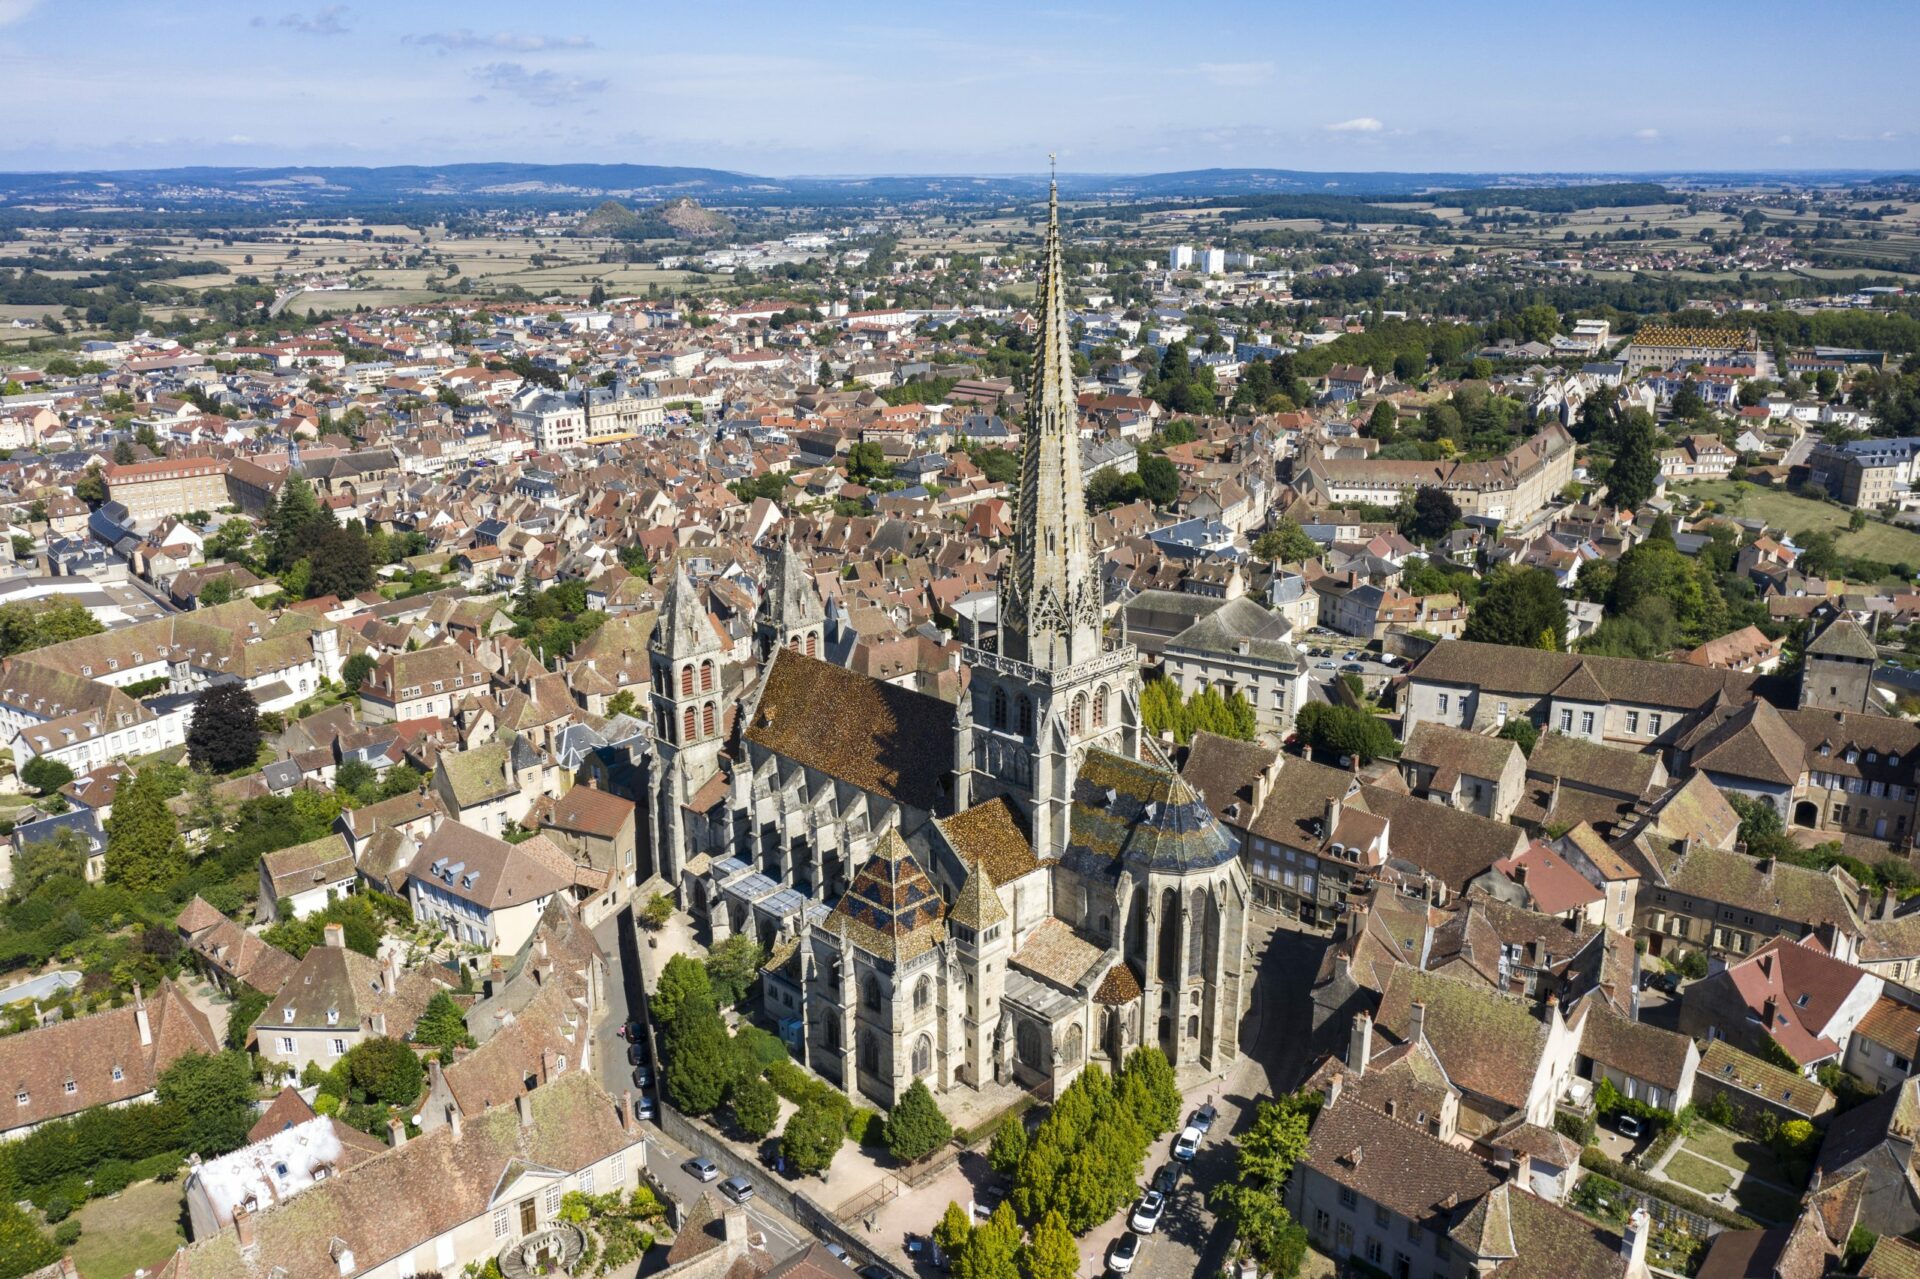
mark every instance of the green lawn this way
{"type": "Point", "coordinates": [140, 1228]}
{"type": "Point", "coordinates": [1794, 515]}
{"type": "Point", "coordinates": [1697, 1174]}
{"type": "Point", "coordinates": [1739, 1152]}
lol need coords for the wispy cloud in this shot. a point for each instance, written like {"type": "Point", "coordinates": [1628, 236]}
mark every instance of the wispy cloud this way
{"type": "Point", "coordinates": [1647, 135]}
{"type": "Point", "coordinates": [327, 21]}
{"type": "Point", "coordinates": [1359, 124]}
{"type": "Point", "coordinates": [1235, 75]}
{"type": "Point", "coordinates": [12, 11]}
{"type": "Point", "coordinates": [544, 87]}
{"type": "Point", "coordinates": [508, 41]}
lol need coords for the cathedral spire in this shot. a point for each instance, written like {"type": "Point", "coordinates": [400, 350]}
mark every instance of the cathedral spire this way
{"type": "Point", "coordinates": [683, 629]}
{"type": "Point", "coordinates": [1050, 607]}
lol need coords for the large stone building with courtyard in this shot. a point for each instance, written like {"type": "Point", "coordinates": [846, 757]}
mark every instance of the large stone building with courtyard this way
{"type": "Point", "coordinates": [997, 891]}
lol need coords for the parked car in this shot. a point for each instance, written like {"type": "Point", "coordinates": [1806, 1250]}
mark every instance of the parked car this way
{"type": "Point", "coordinates": [1627, 1126]}
{"type": "Point", "coordinates": [1167, 1180]}
{"type": "Point", "coordinates": [643, 1106]}
{"type": "Point", "coordinates": [834, 1250]}
{"type": "Point", "coordinates": [875, 1271]}
{"type": "Point", "coordinates": [1203, 1118]}
{"type": "Point", "coordinates": [1147, 1213]}
{"type": "Point", "coordinates": [643, 1076]}
{"type": "Point", "coordinates": [701, 1168]}
{"type": "Point", "coordinates": [1354, 668]}
{"type": "Point", "coordinates": [1125, 1251]}
{"type": "Point", "coordinates": [636, 1053]}
{"type": "Point", "coordinates": [738, 1189]}
{"type": "Point", "coordinates": [1187, 1144]}
{"type": "Point", "coordinates": [1324, 666]}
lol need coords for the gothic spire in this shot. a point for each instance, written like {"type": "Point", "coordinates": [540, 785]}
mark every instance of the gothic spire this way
{"type": "Point", "coordinates": [683, 629]}
{"type": "Point", "coordinates": [1050, 608]}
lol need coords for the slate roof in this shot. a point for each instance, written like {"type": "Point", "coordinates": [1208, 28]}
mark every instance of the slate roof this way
{"type": "Point", "coordinates": [1141, 814]}
{"type": "Point", "coordinates": [1580, 762]}
{"type": "Point", "coordinates": [1844, 638]}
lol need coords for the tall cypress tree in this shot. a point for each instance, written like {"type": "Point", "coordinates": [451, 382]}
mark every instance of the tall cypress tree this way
{"type": "Point", "coordinates": [144, 851]}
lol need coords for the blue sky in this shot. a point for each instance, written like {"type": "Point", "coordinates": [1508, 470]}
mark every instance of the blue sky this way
{"type": "Point", "coordinates": [981, 86]}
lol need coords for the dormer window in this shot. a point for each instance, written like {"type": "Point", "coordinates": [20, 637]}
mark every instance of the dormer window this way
{"type": "Point", "coordinates": [333, 1016]}
{"type": "Point", "coordinates": [1873, 757]}
{"type": "Point", "coordinates": [118, 1074]}
{"type": "Point", "coordinates": [286, 1014]}
{"type": "Point", "coordinates": [72, 1087]}
{"type": "Point", "coordinates": [1825, 749]}
{"type": "Point", "coordinates": [1853, 756]}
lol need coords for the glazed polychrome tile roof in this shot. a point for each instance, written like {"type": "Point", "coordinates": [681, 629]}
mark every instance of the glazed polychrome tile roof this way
{"type": "Point", "coordinates": [1146, 816]}
{"type": "Point", "coordinates": [892, 909]}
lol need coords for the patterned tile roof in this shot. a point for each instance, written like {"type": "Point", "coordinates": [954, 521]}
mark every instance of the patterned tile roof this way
{"type": "Point", "coordinates": [892, 909]}
{"type": "Point", "coordinates": [1142, 814]}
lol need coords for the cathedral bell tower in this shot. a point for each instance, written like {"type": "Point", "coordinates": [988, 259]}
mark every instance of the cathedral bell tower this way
{"type": "Point", "coordinates": [1048, 689]}
{"type": "Point", "coordinates": [685, 656]}
{"type": "Point", "coordinates": [792, 614]}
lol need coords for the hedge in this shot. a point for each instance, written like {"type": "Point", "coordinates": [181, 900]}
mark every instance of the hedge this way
{"type": "Point", "coordinates": [799, 1087]}
{"type": "Point", "coordinates": [1679, 1196]}
{"type": "Point", "coordinates": [984, 1130]}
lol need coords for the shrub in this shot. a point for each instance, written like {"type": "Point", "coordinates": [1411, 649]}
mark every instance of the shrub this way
{"type": "Point", "coordinates": [812, 1137]}
{"type": "Point", "coordinates": [58, 1208]}
{"type": "Point", "coordinates": [111, 1177]}
{"type": "Point", "coordinates": [67, 1233]}
{"type": "Point", "coordinates": [762, 1047]}
{"type": "Point", "coordinates": [1577, 1126]}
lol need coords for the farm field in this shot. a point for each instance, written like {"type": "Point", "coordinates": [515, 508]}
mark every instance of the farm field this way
{"type": "Point", "coordinates": [1792, 515]}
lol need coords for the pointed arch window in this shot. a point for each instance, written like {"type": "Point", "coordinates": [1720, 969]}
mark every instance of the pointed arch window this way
{"type": "Point", "coordinates": [922, 994]}
{"type": "Point", "coordinates": [687, 725]}
{"type": "Point", "coordinates": [870, 994]}
{"type": "Point", "coordinates": [1100, 706]}
{"type": "Point", "coordinates": [870, 1054]}
{"type": "Point", "coordinates": [999, 708]}
{"type": "Point", "coordinates": [706, 676]}
{"type": "Point", "coordinates": [707, 720]}
{"type": "Point", "coordinates": [813, 645]}
{"type": "Point", "coordinates": [686, 679]}
{"type": "Point", "coordinates": [1077, 715]}
{"type": "Point", "coordinates": [1026, 715]}
{"type": "Point", "coordinates": [923, 1055]}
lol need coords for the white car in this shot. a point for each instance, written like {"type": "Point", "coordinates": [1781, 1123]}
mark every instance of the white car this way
{"type": "Point", "coordinates": [1187, 1144]}
{"type": "Point", "coordinates": [1147, 1214]}
{"type": "Point", "coordinates": [1125, 1250]}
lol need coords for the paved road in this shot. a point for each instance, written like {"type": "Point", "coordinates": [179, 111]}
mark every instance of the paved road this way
{"type": "Point", "coordinates": [617, 937]}
{"type": "Point", "coordinates": [1277, 1055]}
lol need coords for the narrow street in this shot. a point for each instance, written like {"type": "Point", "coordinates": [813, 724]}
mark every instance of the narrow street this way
{"type": "Point", "coordinates": [618, 937]}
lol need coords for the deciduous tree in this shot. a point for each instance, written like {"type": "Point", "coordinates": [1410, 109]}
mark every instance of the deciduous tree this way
{"type": "Point", "coordinates": [812, 1136]}
{"type": "Point", "coordinates": [225, 732]}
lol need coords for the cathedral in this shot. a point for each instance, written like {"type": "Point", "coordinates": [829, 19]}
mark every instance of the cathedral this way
{"type": "Point", "coordinates": [1000, 890]}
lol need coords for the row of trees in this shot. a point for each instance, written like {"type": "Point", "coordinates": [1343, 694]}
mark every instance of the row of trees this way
{"type": "Point", "coordinates": [1264, 1231]}
{"type": "Point", "coordinates": [1164, 710]}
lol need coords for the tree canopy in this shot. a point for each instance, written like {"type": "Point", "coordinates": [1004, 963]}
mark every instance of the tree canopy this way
{"type": "Point", "coordinates": [915, 1127]}
{"type": "Point", "coordinates": [1519, 607]}
{"type": "Point", "coordinates": [225, 732]}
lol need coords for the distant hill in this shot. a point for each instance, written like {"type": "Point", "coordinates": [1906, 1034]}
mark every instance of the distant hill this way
{"type": "Point", "coordinates": [610, 218]}
{"type": "Point", "coordinates": [681, 218]}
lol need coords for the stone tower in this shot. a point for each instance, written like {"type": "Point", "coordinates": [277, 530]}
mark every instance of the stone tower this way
{"type": "Point", "coordinates": [792, 614]}
{"type": "Point", "coordinates": [1838, 671]}
{"type": "Point", "coordinates": [982, 941]}
{"type": "Point", "coordinates": [1048, 689]}
{"type": "Point", "coordinates": [685, 656]}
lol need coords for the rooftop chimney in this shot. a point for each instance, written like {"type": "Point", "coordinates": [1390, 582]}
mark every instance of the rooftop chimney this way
{"type": "Point", "coordinates": [390, 972]}
{"type": "Point", "coordinates": [734, 1224]}
{"type": "Point", "coordinates": [243, 1226]}
{"type": "Point", "coordinates": [1360, 1044]}
{"type": "Point", "coordinates": [396, 1131]}
{"type": "Point", "coordinates": [1416, 1022]}
{"type": "Point", "coordinates": [1768, 1011]}
{"type": "Point", "coordinates": [336, 935]}
{"type": "Point", "coordinates": [453, 1119]}
{"type": "Point", "coordinates": [1633, 1244]}
{"type": "Point", "coordinates": [140, 1018]}
{"type": "Point", "coordinates": [524, 1102]}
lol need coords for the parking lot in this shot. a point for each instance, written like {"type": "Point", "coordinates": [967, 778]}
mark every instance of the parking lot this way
{"type": "Point", "coordinates": [1329, 655]}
